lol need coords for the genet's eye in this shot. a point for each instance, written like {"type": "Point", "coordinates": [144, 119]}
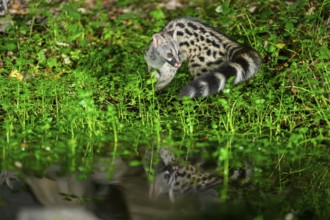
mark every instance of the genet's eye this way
{"type": "Point", "coordinates": [169, 55]}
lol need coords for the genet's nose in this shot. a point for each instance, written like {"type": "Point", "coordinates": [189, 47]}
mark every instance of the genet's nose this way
{"type": "Point", "coordinates": [177, 64]}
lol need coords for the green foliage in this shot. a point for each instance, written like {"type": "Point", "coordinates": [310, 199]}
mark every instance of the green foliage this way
{"type": "Point", "coordinates": [82, 91]}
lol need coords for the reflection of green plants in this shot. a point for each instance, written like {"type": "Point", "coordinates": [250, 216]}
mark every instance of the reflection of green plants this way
{"type": "Point", "coordinates": [224, 155]}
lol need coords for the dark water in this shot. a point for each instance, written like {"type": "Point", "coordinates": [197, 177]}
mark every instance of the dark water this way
{"type": "Point", "coordinates": [113, 201]}
{"type": "Point", "coordinates": [284, 183]}
{"type": "Point", "coordinates": [126, 197]}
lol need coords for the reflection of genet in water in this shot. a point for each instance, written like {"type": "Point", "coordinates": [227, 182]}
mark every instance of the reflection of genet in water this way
{"type": "Point", "coordinates": [184, 180]}
{"type": "Point", "coordinates": [176, 180]}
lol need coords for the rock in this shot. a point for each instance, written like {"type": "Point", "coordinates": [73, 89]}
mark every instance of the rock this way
{"type": "Point", "coordinates": [60, 213]}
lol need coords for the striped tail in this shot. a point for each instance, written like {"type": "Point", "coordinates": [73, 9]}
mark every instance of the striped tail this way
{"type": "Point", "coordinates": [243, 65]}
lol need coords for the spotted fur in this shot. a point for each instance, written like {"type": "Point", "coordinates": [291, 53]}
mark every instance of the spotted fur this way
{"type": "Point", "coordinates": [212, 57]}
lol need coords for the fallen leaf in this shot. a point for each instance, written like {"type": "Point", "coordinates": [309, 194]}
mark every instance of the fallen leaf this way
{"type": "Point", "coordinates": [280, 46]}
{"type": "Point", "coordinates": [16, 74]}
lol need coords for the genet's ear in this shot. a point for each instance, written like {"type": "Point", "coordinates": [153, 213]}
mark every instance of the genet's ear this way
{"type": "Point", "coordinates": [158, 39]}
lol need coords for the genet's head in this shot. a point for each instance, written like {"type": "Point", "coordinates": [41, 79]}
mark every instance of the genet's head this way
{"type": "Point", "coordinates": [168, 48]}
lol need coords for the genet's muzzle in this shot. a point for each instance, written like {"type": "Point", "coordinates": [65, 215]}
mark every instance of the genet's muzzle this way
{"type": "Point", "coordinates": [175, 63]}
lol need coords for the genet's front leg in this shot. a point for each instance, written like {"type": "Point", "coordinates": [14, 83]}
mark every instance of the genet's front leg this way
{"type": "Point", "coordinates": [165, 75]}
